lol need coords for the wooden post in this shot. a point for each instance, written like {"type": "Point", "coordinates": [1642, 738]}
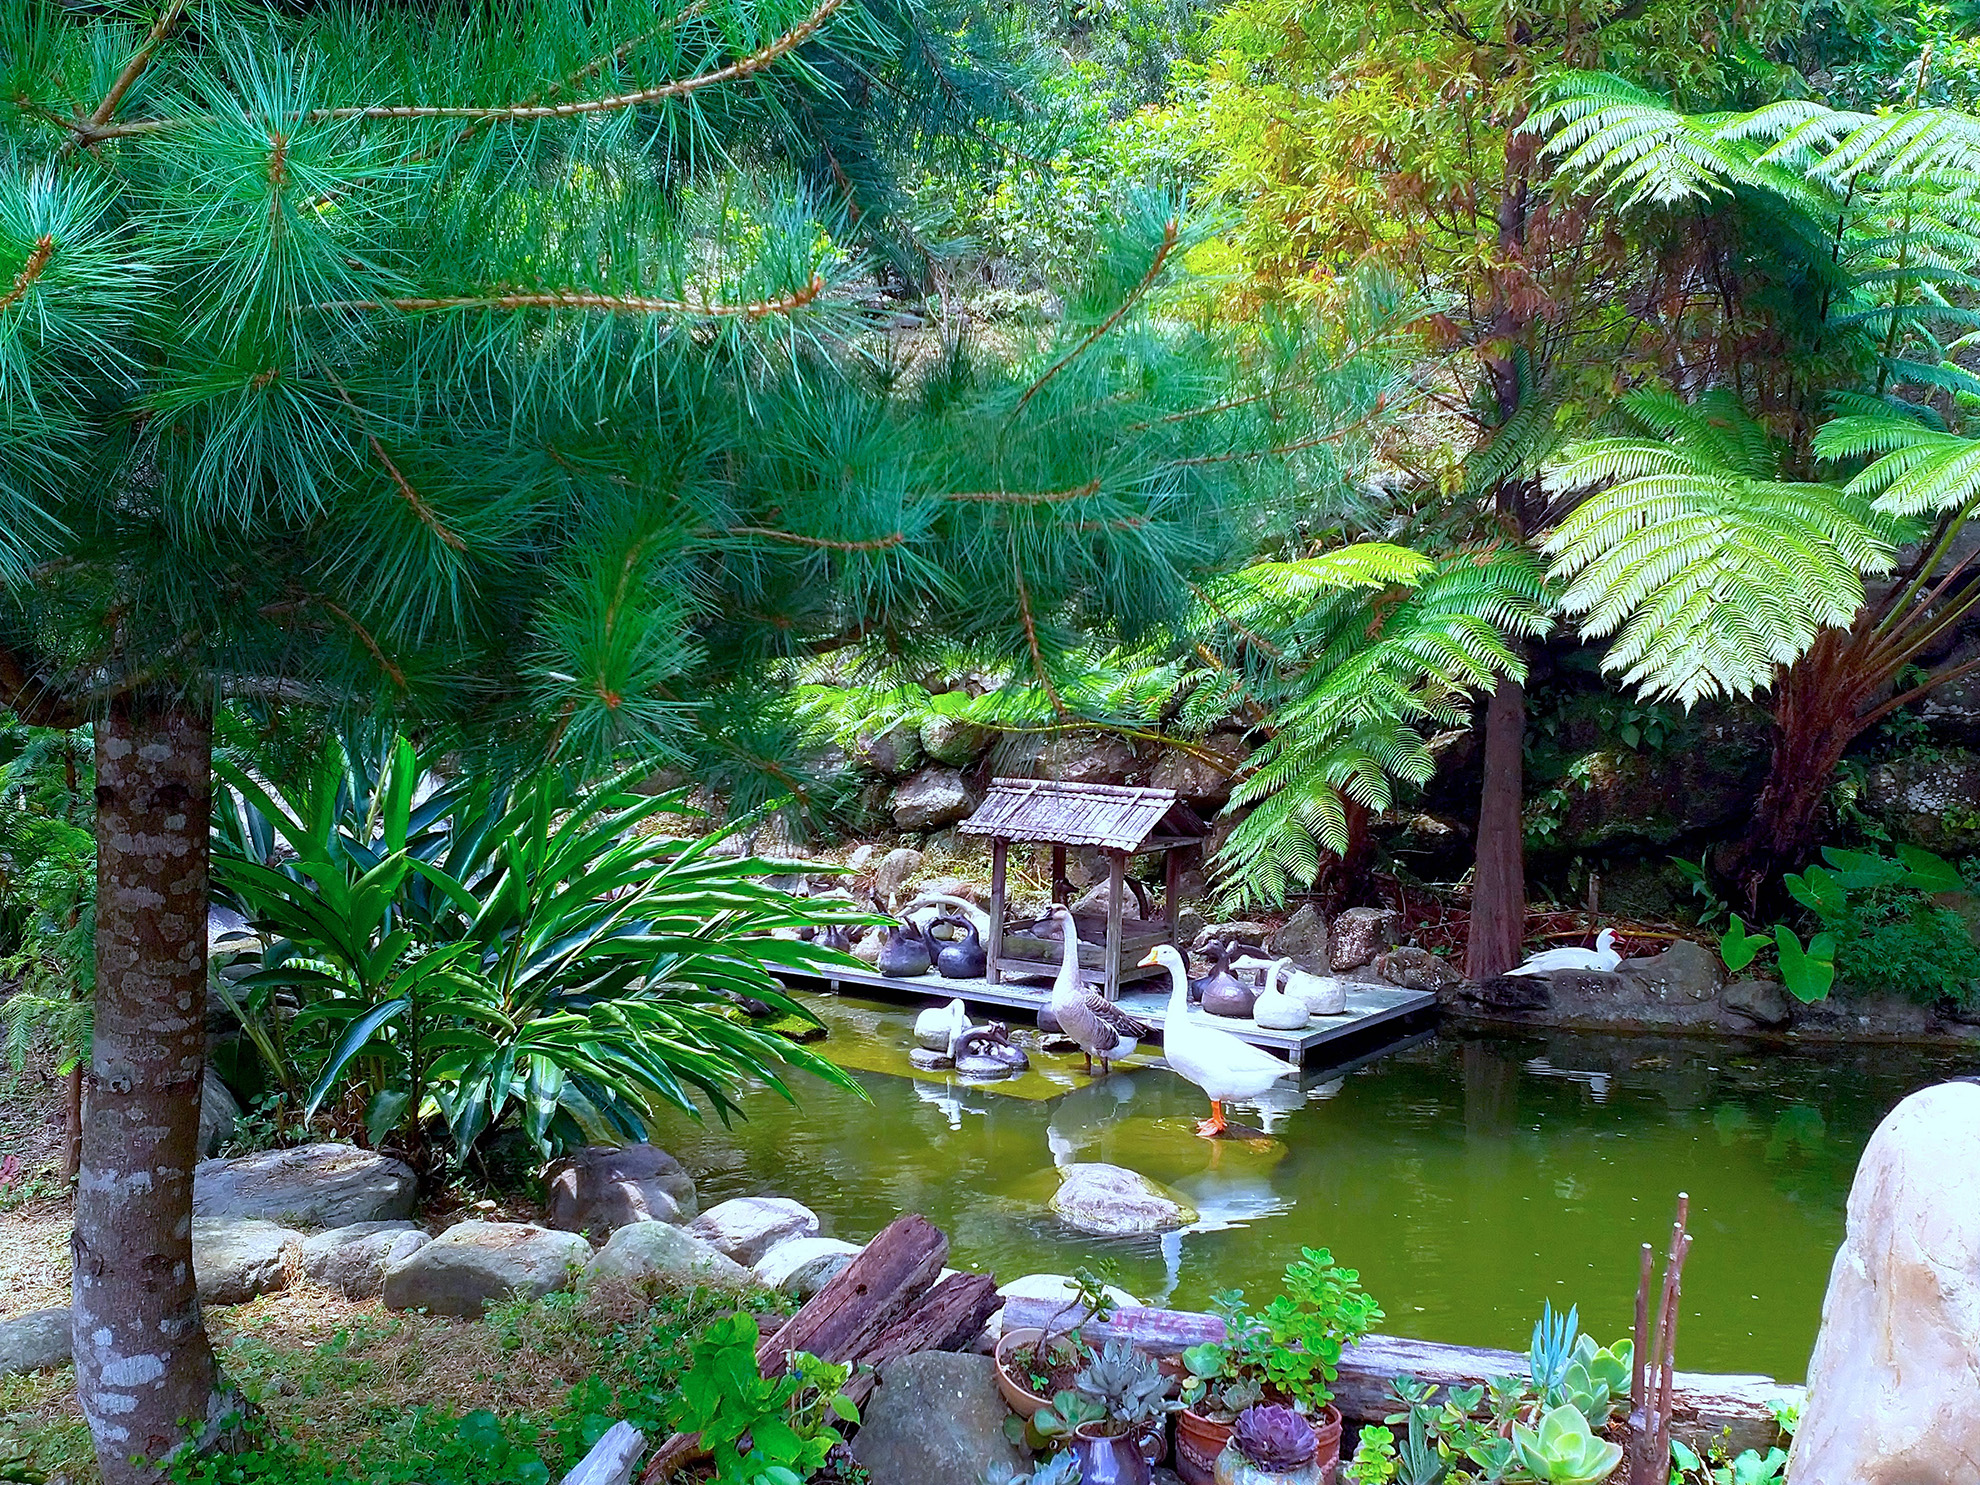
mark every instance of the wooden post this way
{"type": "Point", "coordinates": [1116, 887]}
{"type": "Point", "coordinates": [1000, 850]}
{"type": "Point", "coordinates": [1061, 887]}
{"type": "Point", "coordinates": [1172, 890]}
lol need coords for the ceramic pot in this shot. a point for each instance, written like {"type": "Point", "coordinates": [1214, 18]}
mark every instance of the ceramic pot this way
{"type": "Point", "coordinates": [1018, 1397]}
{"type": "Point", "coordinates": [1234, 1469]}
{"type": "Point", "coordinates": [1110, 1459]}
{"type": "Point", "coordinates": [1200, 1440]}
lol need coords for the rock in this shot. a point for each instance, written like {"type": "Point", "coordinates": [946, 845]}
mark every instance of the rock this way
{"type": "Point", "coordinates": [862, 859]}
{"type": "Point", "coordinates": [1417, 969]}
{"type": "Point", "coordinates": [953, 741]}
{"type": "Point", "coordinates": [1896, 1370]}
{"type": "Point", "coordinates": [937, 1419]}
{"type": "Point", "coordinates": [1108, 1201]}
{"type": "Point", "coordinates": [1761, 1003]}
{"type": "Point", "coordinates": [1056, 1286]}
{"type": "Point", "coordinates": [643, 1248]}
{"type": "Point", "coordinates": [1303, 939]}
{"type": "Point", "coordinates": [1086, 758]}
{"type": "Point", "coordinates": [352, 1260]}
{"type": "Point", "coordinates": [1359, 935]}
{"type": "Point", "coordinates": [1930, 799]}
{"type": "Point", "coordinates": [1619, 795]}
{"type": "Point", "coordinates": [892, 874]}
{"type": "Point", "coordinates": [1507, 995]}
{"type": "Point", "coordinates": [602, 1188]}
{"type": "Point", "coordinates": [473, 1264]}
{"type": "Point", "coordinates": [1201, 774]}
{"type": "Point", "coordinates": [750, 1226]}
{"type": "Point", "coordinates": [309, 1186]}
{"type": "Point", "coordinates": [892, 751]}
{"type": "Point", "coordinates": [1243, 931]}
{"type": "Point", "coordinates": [236, 1258]}
{"type": "Point", "coordinates": [933, 797]}
{"type": "Point", "coordinates": [1189, 923]}
{"type": "Point", "coordinates": [1095, 902]}
{"type": "Point", "coordinates": [1684, 974]}
{"type": "Point", "coordinates": [34, 1342]}
{"type": "Point", "coordinates": [218, 1111]}
{"type": "Point", "coordinates": [800, 1267]}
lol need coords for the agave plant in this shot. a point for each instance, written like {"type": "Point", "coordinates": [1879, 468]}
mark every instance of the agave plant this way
{"type": "Point", "coordinates": [1562, 1451]}
{"type": "Point", "coordinates": [1128, 1386]}
{"type": "Point", "coordinates": [533, 955]}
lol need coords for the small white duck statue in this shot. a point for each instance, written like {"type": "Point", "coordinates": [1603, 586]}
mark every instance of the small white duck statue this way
{"type": "Point", "coordinates": [1605, 955]}
{"type": "Point", "coordinates": [1101, 1028]}
{"type": "Point", "coordinates": [1217, 1062]}
{"type": "Point", "coordinates": [1274, 1009]}
{"type": "Point", "coordinates": [1324, 995]}
{"type": "Point", "coordinates": [936, 1029]}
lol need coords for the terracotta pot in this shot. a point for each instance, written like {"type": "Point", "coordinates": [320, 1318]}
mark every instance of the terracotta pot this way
{"type": "Point", "coordinates": [1200, 1440]}
{"type": "Point", "coordinates": [1020, 1398]}
{"type": "Point", "coordinates": [1327, 1438]}
{"type": "Point", "coordinates": [1110, 1459]}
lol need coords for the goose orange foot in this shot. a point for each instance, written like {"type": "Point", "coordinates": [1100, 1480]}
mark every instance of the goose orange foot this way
{"type": "Point", "coordinates": [1215, 1125]}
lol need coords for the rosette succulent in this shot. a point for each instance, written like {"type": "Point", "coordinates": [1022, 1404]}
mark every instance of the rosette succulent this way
{"type": "Point", "coordinates": [1274, 1439]}
{"type": "Point", "coordinates": [1128, 1385]}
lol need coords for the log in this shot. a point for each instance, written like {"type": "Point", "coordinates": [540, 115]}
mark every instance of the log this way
{"type": "Point", "coordinates": [948, 1318]}
{"type": "Point", "coordinates": [611, 1459]}
{"type": "Point", "coordinates": [1708, 1405]}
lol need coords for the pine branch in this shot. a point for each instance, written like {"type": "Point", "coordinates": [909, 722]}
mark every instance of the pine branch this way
{"type": "Point", "coordinates": [37, 260]}
{"type": "Point", "coordinates": [1168, 246]}
{"type": "Point", "coordinates": [586, 299]}
{"type": "Point", "coordinates": [1026, 497]}
{"type": "Point", "coordinates": [877, 544]}
{"type": "Point", "coordinates": [89, 130]}
{"type": "Point", "coordinates": [406, 492]}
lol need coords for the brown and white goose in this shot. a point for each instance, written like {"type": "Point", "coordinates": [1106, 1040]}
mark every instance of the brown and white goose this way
{"type": "Point", "coordinates": [1101, 1028]}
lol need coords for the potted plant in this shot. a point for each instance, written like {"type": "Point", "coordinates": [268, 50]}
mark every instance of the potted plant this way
{"type": "Point", "coordinates": [1270, 1445]}
{"type": "Point", "coordinates": [1121, 1436]}
{"type": "Point", "coordinates": [1035, 1365]}
{"type": "Point", "coordinates": [1287, 1353]}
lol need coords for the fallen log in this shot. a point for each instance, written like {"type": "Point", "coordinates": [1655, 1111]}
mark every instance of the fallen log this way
{"type": "Point", "coordinates": [1736, 1410]}
{"type": "Point", "coordinates": [611, 1459]}
{"type": "Point", "coordinates": [948, 1318]}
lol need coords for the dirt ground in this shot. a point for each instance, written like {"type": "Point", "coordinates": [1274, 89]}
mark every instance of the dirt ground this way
{"type": "Point", "coordinates": [34, 1200]}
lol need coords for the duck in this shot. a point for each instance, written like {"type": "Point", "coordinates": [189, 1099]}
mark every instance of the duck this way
{"type": "Point", "coordinates": [962, 957]}
{"type": "Point", "coordinates": [1217, 1062]}
{"type": "Point", "coordinates": [1221, 992]}
{"type": "Point", "coordinates": [1101, 1028]}
{"type": "Point", "coordinates": [904, 952]}
{"type": "Point", "coordinates": [1276, 1010]}
{"type": "Point", "coordinates": [1323, 994]}
{"type": "Point", "coordinates": [936, 1029]}
{"type": "Point", "coordinates": [1604, 956]}
{"type": "Point", "coordinates": [988, 1052]}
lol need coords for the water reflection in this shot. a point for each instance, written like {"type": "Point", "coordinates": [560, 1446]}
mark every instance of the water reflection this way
{"type": "Point", "coordinates": [1468, 1178]}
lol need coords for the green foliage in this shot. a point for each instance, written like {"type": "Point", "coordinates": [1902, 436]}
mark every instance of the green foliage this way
{"type": "Point", "coordinates": [1289, 1350]}
{"type": "Point", "coordinates": [1562, 1451]}
{"type": "Point", "coordinates": [531, 955]}
{"type": "Point", "coordinates": [47, 894]}
{"type": "Point", "coordinates": [1569, 1368]}
{"type": "Point", "coordinates": [761, 1430]}
{"type": "Point", "coordinates": [1459, 1438]}
{"type": "Point", "coordinates": [1886, 931]}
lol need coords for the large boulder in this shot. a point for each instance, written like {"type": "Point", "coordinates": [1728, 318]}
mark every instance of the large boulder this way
{"type": "Point", "coordinates": [1685, 974]}
{"type": "Point", "coordinates": [1086, 758]}
{"type": "Point", "coordinates": [1304, 940]}
{"type": "Point", "coordinates": [1243, 931]}
{"type": "Point", "coordinates": [309, 1186]}
{"type": "Point", "coordinates": [1202, 772]}
{"type": "Point", "coordinates": [931, 798]}
{"type": "Point", "coordinates": [954, 742]}
{"type": "Point", "coordinates": [1755, 1004]}
{"type": "Point", "coordinates": [1930, 799]}
{"type": "Point", "coordinates": [352, 1260]}
{"type": "Point", "coordinates": [1418, 969]}
{"type": "Point", "coordinates": [602, 1188]}
{"type": "Point", "coordinates": [473, 1264]}
{"type": "Point", "coordinates": [237, 1258]}
{"type": "Point", "coordinates": [1893, 1383]}
{"type": "Point", "coordinates": [643, 1248]}
{"type": "Point", "coordinates": [1359, 935]}
{"type": "Point", "coordinates": [937, 1419]}
{"type": "Point", "coordinates": [891, 875]}
{"type": "Point", "coordinates": [892, 751]}
{"type": "Point", "coordinates": [218, 1111]}
{"type": "Point", "coordinates": [1109, 1201]}
{"type": "Point", "coordinates": [35, 1341]}
{"type": "Point", "coordinates": [800, 1267]}
{"type": "Point", "coordinates": [750, 1226]}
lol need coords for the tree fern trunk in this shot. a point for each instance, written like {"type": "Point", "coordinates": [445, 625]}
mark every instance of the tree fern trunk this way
{"type": "Point", "coordinates": [1498, 881]}
{"type": "Point", "coordinates": [143, 1365]}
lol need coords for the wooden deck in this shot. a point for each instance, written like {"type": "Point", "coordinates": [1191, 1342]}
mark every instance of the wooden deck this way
{"type": "Point", "coordinates": [1373, 1012]}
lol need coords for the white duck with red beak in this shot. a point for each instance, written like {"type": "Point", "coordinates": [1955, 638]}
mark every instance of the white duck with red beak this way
{"type": "Point", "coordinates": [1224, 1067]}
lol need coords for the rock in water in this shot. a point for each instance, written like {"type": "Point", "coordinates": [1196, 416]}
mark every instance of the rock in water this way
{"type": "Point", "coordinates": [236, 1258]}
{"type": "Point", "coordinates": [1894, 1384]}
{"type": "Point", "coordinates": [309, 1186]}
{"type": "Point", "coordinates": [1755, 1003]}
{"type": "Point", "coordinates": [1108, 1201]}
{"type": "Point", "coordinates": [1684, 974]}
{"type": "Point", "coordinates": [641, 1248]}
{"type": "Point", "coordinates": [1417, 969]}
{"type": "Point", "coordinates": [34, 1341]}
{"type": "Point", "coordinates": [352, 1260]}
{"type": "Point", "coordinates": [473, 1264]}
{"type": "Point", "coordinates": [937, 1419]}
{"type": "Point", "coordinates": [750, 1226]}
{"type": "Point", "coordinates": [600, 1189]}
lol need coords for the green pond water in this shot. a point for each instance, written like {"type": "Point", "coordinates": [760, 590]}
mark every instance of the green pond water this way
{"type": "Point", "coordinates": [1467, 1178]}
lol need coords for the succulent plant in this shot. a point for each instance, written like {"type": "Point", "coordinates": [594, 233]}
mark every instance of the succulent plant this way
{"type": "Point", "coordinates": [1274, 1439]}
{"type": "Point", "coordinates": [1562, 1451]}
{"type": "Point", "coordinates": [1127, 1384]}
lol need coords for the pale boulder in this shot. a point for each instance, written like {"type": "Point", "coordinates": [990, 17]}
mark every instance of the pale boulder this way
{"type": "Point", "coordinates": [803, 1266]}
{"type": "Point", "coordinates": [473, 1264]}
{"type": "Point", "coordinates": [750, 1226]}
{"type": "Point", "coordinates": [640, 1249]}
{"type": "Point", "coordinates": [237, 1258]}
{"type": "Point", "coordinates": [1894, 1384]}
{"type": "Point", "coordinates": [602, 1188]}
{"type": "Point", "coordinates": [352, 1260]}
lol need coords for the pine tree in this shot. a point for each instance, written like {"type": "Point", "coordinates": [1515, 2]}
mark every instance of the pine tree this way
{"type": "Point", "coordinates": [522, 365]}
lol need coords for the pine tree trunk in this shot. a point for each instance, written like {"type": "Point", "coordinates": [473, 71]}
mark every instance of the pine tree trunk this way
{"type": "Point", "coordinates": [143, 1364]}
{"type": "Point", "coordinates": [1498, 882]}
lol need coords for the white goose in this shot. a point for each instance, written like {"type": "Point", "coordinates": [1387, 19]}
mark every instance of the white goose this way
{"type": "Point", "coordinates": [1101, 1028]}
{"type": "Point", "coordinates": [1217, 1062]}
{"type": "Point", "coordinates": [1605, 955]}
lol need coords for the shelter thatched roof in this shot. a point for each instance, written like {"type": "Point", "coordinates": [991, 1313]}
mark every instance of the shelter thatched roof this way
{"type": "Point", "coordinates": [1120, 817]}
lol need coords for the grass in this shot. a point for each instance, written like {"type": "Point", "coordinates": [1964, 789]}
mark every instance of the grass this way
{"type": "Point", "coordinates": [352, 1394]}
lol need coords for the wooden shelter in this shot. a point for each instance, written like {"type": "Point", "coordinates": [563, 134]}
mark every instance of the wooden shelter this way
{"type": "Point", "coordinates": [1121, 821]}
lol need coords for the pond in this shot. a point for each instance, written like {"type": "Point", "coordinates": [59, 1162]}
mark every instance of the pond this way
{"type": "Point", "coordinates": [1467, 1177]}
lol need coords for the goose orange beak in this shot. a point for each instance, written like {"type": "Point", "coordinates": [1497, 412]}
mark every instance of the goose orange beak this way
{"type": "Point", "coordinates": [1151, 957]}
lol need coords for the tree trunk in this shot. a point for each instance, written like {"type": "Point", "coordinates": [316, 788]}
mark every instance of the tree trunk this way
{"type": "Point", "coordinates": [1498, 881]}
{"type": "Point", "coordinates": [144, 1370]}
{"type": "Point", "coordinates": [72, 1136]}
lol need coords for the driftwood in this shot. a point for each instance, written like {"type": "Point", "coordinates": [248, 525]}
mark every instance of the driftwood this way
{"type": "Point", "coordinates": [947, 1318]}
{"type": "Point", "coordinates": [1704, 1406]}
{"type": "Point", "coordinates": [611, 1459]}
{"type": "Point", "coordinates": [863, 1304]}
